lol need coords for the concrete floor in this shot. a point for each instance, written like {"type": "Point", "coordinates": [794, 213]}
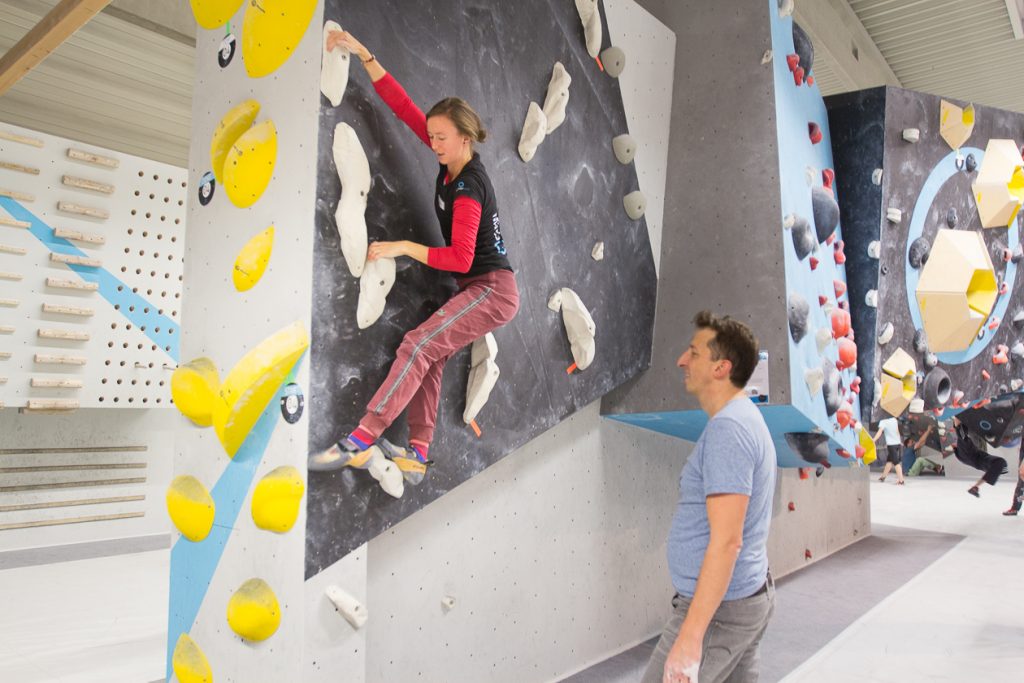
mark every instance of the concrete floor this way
{"type": "Point", "coordinates": [937, 608]}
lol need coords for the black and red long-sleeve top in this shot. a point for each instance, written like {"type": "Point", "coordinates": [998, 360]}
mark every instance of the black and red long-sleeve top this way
{"type": "Point", "coordinates": [465, 205]}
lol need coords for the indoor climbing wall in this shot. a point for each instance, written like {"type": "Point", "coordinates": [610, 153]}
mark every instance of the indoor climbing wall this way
{"type": "Point", "coordinates": [91, 246]}
{"type": "Point", "coordinates": [571, 217]}
{"type": "Point", "coordinates": [237, 591]}
{"type": "Point", "coordinates": [934, 188]}
{"type": "Point", "coordinates": [794, 274]}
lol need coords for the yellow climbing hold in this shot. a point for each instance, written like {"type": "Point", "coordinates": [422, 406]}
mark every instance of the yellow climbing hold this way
{"type": "Point", "coordinates": [249, 164]}
{"type": "Point", "coordinates": [230, 128]}
{"type": "Point", "coordinates": [189, 662]}
{"type": "Point", "coordinates": [194, 386]}
{"type": "Point", "coordinates": [190, 507]}
{"type": "Point", "coordinates": [254, 380]}
{"type": "Point", "coordinates": [271, 31]}
{"type": "Point", "coordinates": [275, 501]}
{"type": "Point", "coordinates": [252, 260]}
{"type": "Point", "coordinates": [253, 612]}
{"type": "Point", "coordinates": [211, 14]}
{"type": "Point", "coordinates": [866, 442]}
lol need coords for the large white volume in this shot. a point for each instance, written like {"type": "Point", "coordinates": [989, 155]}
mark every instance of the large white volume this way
{"type": "Point", "coordinates": [334, 68]}
{"type": "Point", "coordinates": [374, 284]}
{"type": "Point", "coordinates": [591, 18]}
{"type": "Point", "coordinates": [483, 375]}
{"type": "Point", "coordinates": [354, 173]}
{"type": "Point", "coordinates": [534, 130]}
{"type": "Point", "coordinates": [557, 97]}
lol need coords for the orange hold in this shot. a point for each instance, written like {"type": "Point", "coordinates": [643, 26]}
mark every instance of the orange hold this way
{"type": "Point", "coordinates": [840, 254]}
{"type": "Point", "coordinates": [840, 323]}
{"type": "Point", "coordinates": [994, 323]}
{"type": "Point", "coordinates": [844, 416]}
{"type": "Point", "coordinates": [855, 385]}
{"type": "Point", "coordinates": [1000, 359]}
{"type": "Point", "coordinates": [793, 61]}
{"type": "Point", "coordinates": [985, 376]}
{"type": "Point", "coordinates": [860, 451]}
{"type": "Point", "coordinates": [798, 76]}
{"type": "Point", "coordinates": [847, 354]}
{"type": "Point", "coordinates": [840, 288]}
{"type": "Point", "coordinates": [810, 80]}
{"type": "Point", "coordinates": [814, 263]}
{"type": "Point", "coordinates": [805, 472]}
{"type": "Point", "coordinates": [843, 453]}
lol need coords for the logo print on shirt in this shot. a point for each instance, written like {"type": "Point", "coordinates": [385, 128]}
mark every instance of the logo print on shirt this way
{"type": "Point", "coordinates": [460, 186]}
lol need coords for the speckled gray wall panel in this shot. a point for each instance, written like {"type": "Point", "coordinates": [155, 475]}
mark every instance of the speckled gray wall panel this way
{"type": "Point", "coordinates": [721, 248]}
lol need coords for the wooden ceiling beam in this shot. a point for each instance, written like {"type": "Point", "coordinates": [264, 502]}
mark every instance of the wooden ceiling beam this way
{"type": "Point", "coordinates": [57, 26]}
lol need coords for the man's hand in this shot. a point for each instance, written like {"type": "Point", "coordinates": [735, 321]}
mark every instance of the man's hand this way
{"type": "Point", "coordinates": [683, 661]}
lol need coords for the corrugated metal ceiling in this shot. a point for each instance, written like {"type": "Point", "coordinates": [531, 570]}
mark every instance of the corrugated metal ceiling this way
{"type": "Point", "coordinates": [961, 49]}
{"type": "Point", "coordinates": [113, 83]}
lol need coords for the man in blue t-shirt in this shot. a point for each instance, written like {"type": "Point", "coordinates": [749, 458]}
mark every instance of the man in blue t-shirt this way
{"type": "Point", "coordinates": [717, 543]}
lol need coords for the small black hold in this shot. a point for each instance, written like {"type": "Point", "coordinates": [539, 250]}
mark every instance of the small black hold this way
{"type": "Point", "coordinates": [921, 341]}
{"type": "Point", "coordinates": [918, 252]}
{"type": "Point", "coordinates": [799, 311]}
{"type": "Point", "coordinates": [884, 270]}
{"type": "Point", "coordinates": [292, 403]}
{"type": "Point", "coordinates": [951, 217]}
{"type": "Point", "coordinates": [972, 163]}
{"type": "Point", "coordinates": [226, 52]}
{"type": "Point", "coordinates": [207, 184]}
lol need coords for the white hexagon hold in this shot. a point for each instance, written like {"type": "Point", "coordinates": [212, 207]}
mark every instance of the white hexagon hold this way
{"type": "Point", "coordinates": [350, 608]}
{"type": "Point", "coordinates": [350, 217]}
{"type": "Point", "coordinates": [635, 204]}
{"type": "Point", "coordinates": [374, 285]}
{"type": "Point", "coordinates": [557, 97]}
{"type": "Point", "coordinates": [624, 147]}
{"type": "Point", "coordinates": [534, 131]}
{"type": "Point", "coordinates": [333, 67]}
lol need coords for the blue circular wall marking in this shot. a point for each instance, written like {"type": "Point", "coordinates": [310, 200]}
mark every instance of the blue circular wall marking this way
{"type": "Point", "coordinates": [943, 171]}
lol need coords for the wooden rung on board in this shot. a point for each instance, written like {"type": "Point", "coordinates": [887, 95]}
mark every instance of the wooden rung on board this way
{"type": "Point", "coordinates": [51, 404]}
{"type": "Point", "coordinates": [20, 196]}
{"type": "Point", "coordinates": [31, 469]}
{"type": "Point", "coordinates": [73, 484]}
{"type": "Point", "coordinates": [79, 236]}
{"type": "Point", "coordinates": [83, 449]}
{"type": "Point", "coordinates": [86, 184]}
{"type": "Point", "coordinates": [23, 139]}
{"type": "Point", "coordinates": [47, 383]}
{"type": "Point", "coordinates": [70, 520]}
{"type": "Point", "coordinates": [5, 355]}
{"type": "Point", "coordinates": [58, 283]}
{"type": "Point", "coordinates": [68, 310]}
{"type": "Point", "coordinates": [69, 335]}
{"type": "Point", "coordinates": [73, 260]}
{"type": "Point", "coordinates": [10, 276]}
{"type": "Point", "coordinates": [9, 303]}
{"type": "Point", "coordinates": [11, 223]}
{"type": "Point", "coordinates": [90, 158]}
{"type": "Point", "coordinates": [70, 503]}
{"type": "Point", "coordinates": [8, 249]}
{"type": "Point", "coordinates": [51, 359]}
{"type": "Point", "coordinates": [78, 209]}
{"type": "Point", "coordinates": [19, 168]}
{"type": "Point", "coordinates": [6, 329]}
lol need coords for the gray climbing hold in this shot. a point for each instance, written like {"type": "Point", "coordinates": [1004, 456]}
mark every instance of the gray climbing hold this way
{"type": "Point", "coordinates": [930, 360]}
{"type": "Point", "coordinates": [1017, 351]}
{"type": "Point", "coordinates": [951, 217]}
{"type": "Point", "coordinates": [624, 147]}
{"type": "Point", "coordinates": [804, 48]}
{"type": "Point", "coordinates": [826, 212]}
{"type": "Point", "coordinates": [635, 204]}
{"type": "Point", "coordinates": [1018, 319]}
{"type": "Point", "coordinates": [937, 388]}
{"type": "Point", "coordinates": [885, 334]}
{"type": "Point", "coordinates": [1017, 254]}
{"type": "Point", "coordinates": [813, 448]}
{"type": "Point", "coordinates": [785, 8]}
{"type": "Point", "coordinates": [918, 252]}
{"type": "Point", "coordinates": [614, 61]}
{"type": "Point", "coordinates": [803, 237]}
{"type": "Point", "coordinates": [921, 341]}
{"type": "Point", "coordinates": [972, 163]}
{"type": "Point", "coordinates": [799, 311]}
{"type": "Point", "coordinates": [832, 389]}
{"type": "Point", "coordinates": [766, 57]}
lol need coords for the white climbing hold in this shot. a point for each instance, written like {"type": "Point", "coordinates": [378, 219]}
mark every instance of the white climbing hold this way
{"type": "Point", "coordinates": [871, 298]}
{"type": "Point", "coordinates": [878, 392]}
{"type": "Point", "coordinates": [635, 204]}
{"type": "Point", "coordinates": [483, 348]}
{"type": "Point", "coordinates": [483, 375]}
{"type": "Point", "coordinates": [624, 147]}
{"type": "Point", "coordinates": [885, 334]}
{"type": "Point", "coordinates": [767, 56]}
{"type": "Point", "coordinates": [1017, 351]}
{"type": "Point", "coordinates": [579, 328]}
{"type": "Point", "coordinates": [789, 221]}
{"type": "Point", "coordinates": [823, 337]}
{"type": "Point", "coordinates": [555, 301]}
{"type": "Point", "coordinates": [534, 130]}
{"type": "Point", "coordinates": [911, 134]}
{"type": "Point", "coordinates": [597, 253]}
{"type": "Point", "coordinates": [1016, 384]}
{"type": "Point", "coordinates": [374, 285]}
{"type": "Point", "coordinates": [350, 608]}
{"type": "Point", "coordinates": [894, 215]}
{"type": "Point", "coordinates": [333, 68]}
{"type": "Point", "coordinates": [874, 249]}
{"type": "Point", "coordinates": [387, 473]}
{"type": "Point", "coordinates": [815, 380]}
{"type": "Point", "coordinates": [614, 61]}
{"type": "Point", "coordinates": [590, 17]}
{"type": "Point", "coordinates": [811, 175]}
{"type": "Point", "coordinates": [448, 603]}
{"type": "Point", "coordinates": [557, 97]}
{"type": "Point", "coordinates": [876, 177]}
{"type": "Point", "coordinates": [785, 8]}
{"type": "Point", "coordinates": [350, 216]}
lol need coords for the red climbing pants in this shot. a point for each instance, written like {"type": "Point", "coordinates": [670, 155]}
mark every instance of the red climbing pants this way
{"type": "Point", "coordinates": [482, 304]}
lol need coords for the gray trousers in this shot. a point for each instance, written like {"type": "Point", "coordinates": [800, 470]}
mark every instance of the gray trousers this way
{"type": "Point", "coordinates": [730, 651]}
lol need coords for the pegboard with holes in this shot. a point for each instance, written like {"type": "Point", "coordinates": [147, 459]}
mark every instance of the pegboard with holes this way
{"type": "Point", "coordinates": [91, 252]}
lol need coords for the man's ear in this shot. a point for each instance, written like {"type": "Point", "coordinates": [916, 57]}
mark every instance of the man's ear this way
{"type": "Point", "coordinates": [723, 369]}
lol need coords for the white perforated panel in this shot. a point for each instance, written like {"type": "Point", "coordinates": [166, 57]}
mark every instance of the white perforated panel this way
{"type": "Point", "coordinates": [93, 274]}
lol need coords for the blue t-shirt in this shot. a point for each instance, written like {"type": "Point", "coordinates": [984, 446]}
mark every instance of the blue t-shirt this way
{"type": "Point", "coordinates": [734, 454]}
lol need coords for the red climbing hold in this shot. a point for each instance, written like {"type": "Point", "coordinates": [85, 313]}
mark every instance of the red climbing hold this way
{"type": "Point", "coordinates": [1007, 255]}
{"type": "Point", "coordinates": [793, 61]}
{"type": "Point", "coordinates": [843, 453]}
{"type": "Point", "coordinates": [847, 354]}
{"type": "Point", "coordinates": [805, 472]}
{"type": "Point", "coordinates": [840, 254]}
{"type": "Point", "coordinates": [844, 416]}
{"type": "Point", "coordinates": [855, 385]}
{"type": "Point", "coordinates": [798, 76]}
{"type": "Point", "coordinates": [792, 506]}
{"type": "Point", "coordinates": [1000, 358]}
{"type": "Point", "coordinates": [814, 132]}
{"type": "Point", "coordinates": [828, 176]}
{"type": "Point", "coordinates": [840, 288]}
{"type": "Point", "coordinates": [1003, 288]}
{"type": "Point", "coordinates": [994, 323]}
{"type": "Point", "coordinates": [831, 238]}
{"type": "Point", "coordinates": [985, 376]}
{"type": "Point", "coordinates": [822, 299]}
{"type": "Point", "coordinates": [840, 323]}
{"type": "Point", "coordinates": [814, 263]}
{"type": "Point", "coordinates": [810, 80]}
{"type": "Point", "coordinates": [807, 553]}
{"type": "Point", "coordinates": [860, 451]}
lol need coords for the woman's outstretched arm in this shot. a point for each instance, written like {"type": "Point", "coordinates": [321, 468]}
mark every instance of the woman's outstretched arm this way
{"type": "Point", "coordinates": [389, 89]}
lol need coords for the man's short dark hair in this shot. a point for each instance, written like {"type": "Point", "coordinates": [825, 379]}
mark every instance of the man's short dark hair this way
{"type": "Point", "coordinates": [734, 342]}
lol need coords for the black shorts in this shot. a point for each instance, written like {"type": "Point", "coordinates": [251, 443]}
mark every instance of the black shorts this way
{"type": "Point", "coordinates": [894, 454]}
